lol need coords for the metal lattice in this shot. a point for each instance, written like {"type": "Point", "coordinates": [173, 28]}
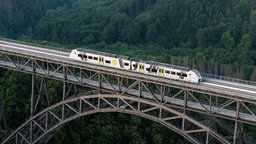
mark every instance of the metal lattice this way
{"type": "Point", "coordinates": [185, 98]}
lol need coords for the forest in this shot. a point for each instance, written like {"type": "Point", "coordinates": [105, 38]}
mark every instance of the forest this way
{"type": "Point", "coordinates": [215, 37]}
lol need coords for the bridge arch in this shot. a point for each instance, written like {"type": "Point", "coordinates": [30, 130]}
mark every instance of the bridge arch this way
{"type": "Point", "coordinates": [46, 121]}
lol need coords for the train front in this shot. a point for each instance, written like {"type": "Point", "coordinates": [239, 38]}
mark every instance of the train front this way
{"type": "Point", "coordinates": [195, 76]}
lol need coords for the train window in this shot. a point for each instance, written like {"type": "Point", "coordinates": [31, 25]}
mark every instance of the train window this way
{"type": "Point", "coordinates": [178, 74]}
{"type": "Point", "coordinates": [167, 72]}
{"type": "Point", "coordinates": [84, 56]}
{"type": "Point", "coordinates": [126, 64]}
{"type": "Point", "coordinates": [95, 58]}
{"type": "Point", "coordinates": [79, 55]}
{"type": "Point", "coordinates": [148, 69]}
{"type": "Point", "coordinates": [107, 61]}
{"type": "Point", "coordinates": [154, 70]}
{"type": "Point", "coordinates": [135, 65]}
{"type": "Point", "coordinates": [173, 73]}
{"type": "Point", "coordinates": [90, 57]}
{"type": "Point", "coordinates": [184, 75]}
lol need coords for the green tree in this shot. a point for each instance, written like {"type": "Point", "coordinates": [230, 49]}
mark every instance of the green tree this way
{"type": "Point", "coordinates": [151, 33]}
{"type": "Point", "coordinates": [245, 42]}
{"type": "Point", "coordinates": [13, 100]}
{"type": "Point", "coordinates": [227, 40]}
{"type": "Point", "coordinates": [252, 28]}
{"type": "Point", "coordinates": [89, 39]}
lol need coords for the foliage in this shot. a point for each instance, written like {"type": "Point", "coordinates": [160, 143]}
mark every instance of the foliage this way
{"type": "Point", "coordinates": [18, 17]}
{"type": "Point", "coordinates": [222, 31]}
{"type": "Point", "coordinates": [15, 103]}
{"type": "Point", "coordinates": [116, 128]}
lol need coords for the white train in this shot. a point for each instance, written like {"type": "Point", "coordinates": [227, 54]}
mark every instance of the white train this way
{"type": "Point", "coordinates": [146, 67]}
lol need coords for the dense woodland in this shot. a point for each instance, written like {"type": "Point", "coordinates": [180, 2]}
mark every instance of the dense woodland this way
{"type": "Point", "coordinates": [216, 37]}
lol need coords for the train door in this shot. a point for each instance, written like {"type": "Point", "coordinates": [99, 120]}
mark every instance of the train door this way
{"type": "Point", "coordinates": [141, 68]}
{"type": "Point", "coordinates": [101, 60]}
{"type": "Point", "coordinates": [183, 75]}
{"type": "Point", "coordinates": [161, 72]}
{"type": "Point", "coordinates": [80, 54]}
{"type": "Point", "coordinates": [114, 62]}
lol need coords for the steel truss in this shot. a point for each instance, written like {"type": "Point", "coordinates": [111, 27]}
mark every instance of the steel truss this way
{"type": "Point", "coordinates": [4, 128]}
{"type": "Point", "coordinates": [53, 117]}
{"type": "Point", "coordinates": [188, 99]}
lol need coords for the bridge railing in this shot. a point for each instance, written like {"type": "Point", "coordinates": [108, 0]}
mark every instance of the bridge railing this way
{"type": "Point", "coordinates": [36, 45]}
{"type": "Point", "coordinates": [206, 75]}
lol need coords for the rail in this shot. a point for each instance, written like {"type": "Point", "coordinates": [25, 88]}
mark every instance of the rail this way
{"type": "Point", "coordinates": [206, 75]}
{"type": "Point", "coordinates": [36, 45]}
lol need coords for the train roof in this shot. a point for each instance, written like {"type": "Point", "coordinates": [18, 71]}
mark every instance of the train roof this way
{"type": "Point", "coordinates": [182, 68]}
{"type": "Point", "coordinates": [134, 59]}
{"type": "Point", "coordinates": [103, 53]}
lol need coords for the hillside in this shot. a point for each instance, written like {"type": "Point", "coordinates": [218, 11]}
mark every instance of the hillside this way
{"type": "Point", "coordinates": [215, 37]}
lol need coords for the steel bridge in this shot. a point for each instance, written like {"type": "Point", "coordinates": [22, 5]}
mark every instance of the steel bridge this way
{"type": "Point", "coordinates": [198, 112]}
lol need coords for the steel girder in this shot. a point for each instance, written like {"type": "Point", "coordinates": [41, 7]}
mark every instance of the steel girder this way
{"type": "Point", "coordinates": [182, 97]}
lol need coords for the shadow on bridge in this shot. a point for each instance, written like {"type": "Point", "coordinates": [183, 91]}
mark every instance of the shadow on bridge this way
{"type": "Point", "coordinates": [41, 125]}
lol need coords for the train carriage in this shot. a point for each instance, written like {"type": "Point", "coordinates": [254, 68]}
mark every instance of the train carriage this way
{"type": "Point", "coordinates": [169, 71]}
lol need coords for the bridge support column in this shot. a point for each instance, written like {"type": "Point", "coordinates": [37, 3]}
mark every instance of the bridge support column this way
{"type": "Point", "coordinates": [100, 81]}
{"type": "Point", "coordinates": [4, 129]}
{"type": "Point", "coordinates": [119, 79]}
{"type": "Point", "coordinates": [39, 91]}
{"type": "Point", "coordinates": [238, 133]}
{"type": "Point", "coordinates": [67, 91]}
{"type": "Point", "coordinates": [32, 96]}
{"type": "Point", "coordinates": [238, 130]}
